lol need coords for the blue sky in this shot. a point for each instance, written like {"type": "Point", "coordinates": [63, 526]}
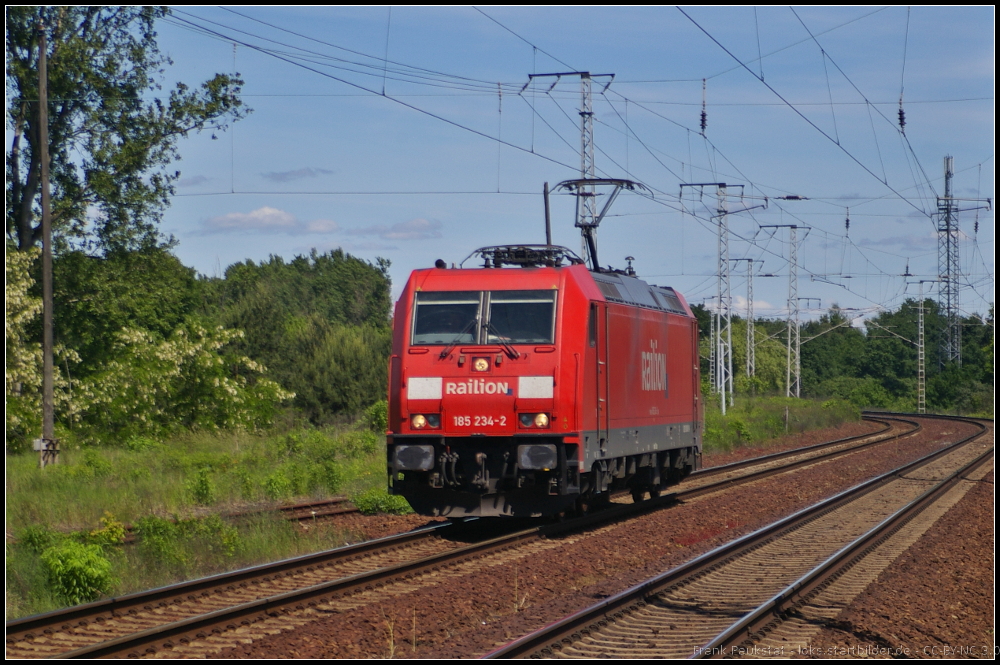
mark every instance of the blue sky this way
{"type": "Point", "coordinates": [440, 151]}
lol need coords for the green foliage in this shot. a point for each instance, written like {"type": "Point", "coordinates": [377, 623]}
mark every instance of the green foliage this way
{"type": "Point", "coordinates": [360, 443]}
{"type": "Point", "coordinates": [37, 538]}
{"type": "Point", "coordinates": [112, 532]}
{"type": "Point", "coordinates": [111, 136]}
{"type": "Point", "coordinates": [863, 393]}
{"type": "Point", "coordinates": [741, 429]}
{"type": "Point", "coordinates": [278, 486]}
{"type": "Point", "coordinates": [201, 487]}
{"type": "Point", "coordinates": [23, 360]}
{"type": "Point", "coordinates": [97, 297]}
{"type": "Point", "coordinates": [159, 537]}
{"type": "Point", "coordinates": [752, 421]}
{"type": "Point", "coordinates": [377, 416]}
{"type": "Point", "coordinates": [76, 572]}
{"type": "Point", "coordinates": [319, 322]}
{"type": "Point", "coordinates": [189, 380]}
{"type": "Point", "coordinates": [149, 482]}
{"type": "Point", "coordinates": [377, 500]}
{"type": "Point", "coordinates": [876, 368]}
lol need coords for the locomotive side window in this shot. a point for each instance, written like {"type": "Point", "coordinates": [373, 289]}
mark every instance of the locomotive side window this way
{"type": "Point", "coordinates": [521, 317]}
{"type": "Point", "coordinates": [446, 317]}
{"type": "Point", "coordinates": [592, 325]}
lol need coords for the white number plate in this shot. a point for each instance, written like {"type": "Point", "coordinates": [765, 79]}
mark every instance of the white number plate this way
{"type": "Point", "coordinates": [479, 421]}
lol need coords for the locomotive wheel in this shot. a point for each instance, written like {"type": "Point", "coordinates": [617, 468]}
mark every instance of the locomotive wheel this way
{"type": "Point", "coordinates": [654, 492]}
{"type": "Point", "coordinates": [638, 495]}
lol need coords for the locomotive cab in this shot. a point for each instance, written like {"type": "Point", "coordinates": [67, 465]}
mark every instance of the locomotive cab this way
{"type": "Point", "coordinates": [507, 395]}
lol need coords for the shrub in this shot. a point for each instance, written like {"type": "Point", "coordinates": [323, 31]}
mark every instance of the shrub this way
{"type": "Point", "coordinates": [159, 537]}
{"type": "Point", "coordinates": [277, 486]}
{"type": "Point", "coordinates": [77, 573]}
{"type": "Point", "coordinates": [356, 444]}
{"type": "Point", "coordinates": [376, 417]}
{"type": "Point", "coordinates": [377, 500]}
{"type": "Point", "coordinates": [331, 477]}
{"type": "Point", "coordinates": [37, 538]}
{"type": "Point", "coordinates": [111, 533]}
{"type": "Point", "coordinates": [201, 487]}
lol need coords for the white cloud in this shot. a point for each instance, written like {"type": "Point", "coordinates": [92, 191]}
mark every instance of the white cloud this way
{"type": "Point", "coordinates": [322, 226]}
{"type": "Point", "coordinates": [740, 305]}
{"type": "Point", "coordinates": [297, 174]}
{"type": "Point", "coordinates": [267, 220]}
{"type": "Point", "coordinates": [414, 229]}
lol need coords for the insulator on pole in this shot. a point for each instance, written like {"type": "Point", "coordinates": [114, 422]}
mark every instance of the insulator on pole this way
{"type": "Point", "coordinates": [704, 114]}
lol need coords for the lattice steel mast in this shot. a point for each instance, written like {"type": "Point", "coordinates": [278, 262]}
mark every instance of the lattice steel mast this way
{"type": "Point", "coordinates": [948, 268]}
{"type": "Point", "coordinates": [587, 217]}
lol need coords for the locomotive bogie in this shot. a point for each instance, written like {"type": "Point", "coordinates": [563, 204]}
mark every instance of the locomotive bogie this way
{"type": "Point", "coordinates": [535, 391]}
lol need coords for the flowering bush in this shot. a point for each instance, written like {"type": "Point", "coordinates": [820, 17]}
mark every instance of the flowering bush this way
{"type": "Point", "coordinates": [152, 387]}
{"type": "Point", "coordinates": [23, 366]}
{"type": "Point", "coordinates": [148, 387]}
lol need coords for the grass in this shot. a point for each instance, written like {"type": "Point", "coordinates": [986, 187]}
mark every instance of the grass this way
{"type": "Point", "coordinates": [173, 493]}
{"type": "Point", "coordinates": [191, 475]}
{"type": "Point", "coordinates": [752, 420]}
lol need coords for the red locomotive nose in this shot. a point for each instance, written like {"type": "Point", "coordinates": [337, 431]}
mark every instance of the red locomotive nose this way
{"type": "Point", "coordinates": [530, 390]}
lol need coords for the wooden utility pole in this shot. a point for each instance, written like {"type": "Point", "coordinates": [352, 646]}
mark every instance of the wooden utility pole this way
{"type": "Point", "coordinates": [49, 447]}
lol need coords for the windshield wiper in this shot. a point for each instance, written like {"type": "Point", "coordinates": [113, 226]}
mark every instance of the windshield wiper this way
{"type": "Point", "coordinates": [508, 349]}
{"type": "Point", "coordinates": [448, 349]}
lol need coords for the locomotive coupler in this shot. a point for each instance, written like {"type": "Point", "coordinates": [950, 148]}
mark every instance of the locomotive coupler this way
{"type": "Point", "coordinates": [482, 477]}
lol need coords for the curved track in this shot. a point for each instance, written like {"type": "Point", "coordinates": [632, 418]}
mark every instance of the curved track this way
{"type": "Point", "coordinates": [728, 595]}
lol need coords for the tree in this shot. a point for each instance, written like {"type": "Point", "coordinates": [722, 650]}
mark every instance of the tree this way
{"type": "Point", "coordinates": [320, 323]}
{"type": "Point", "coordinates": [111, 139]}
{"type": "Point", "coordinates": [97, 297]}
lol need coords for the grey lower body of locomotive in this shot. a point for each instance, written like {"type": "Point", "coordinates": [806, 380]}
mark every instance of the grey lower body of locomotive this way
{"type": "Point", "coordinates": [537, 476]}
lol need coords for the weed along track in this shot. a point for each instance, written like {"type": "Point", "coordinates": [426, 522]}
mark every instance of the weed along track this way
{"type": "Point", "coordinates": [732, 596]}
{"type": "Point", "coordinates": [82, 627]}
{"type": "Point", "coordinates": [280, 601]}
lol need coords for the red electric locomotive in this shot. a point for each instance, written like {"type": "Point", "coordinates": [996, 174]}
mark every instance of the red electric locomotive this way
{"type": "Point", "coordinates": [538, 389]}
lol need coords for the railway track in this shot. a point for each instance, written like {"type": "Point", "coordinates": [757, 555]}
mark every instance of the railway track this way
{"type": "Point", "coordinates": [183, 617]}
{"type": "Point", "coordinates": [725, 599]}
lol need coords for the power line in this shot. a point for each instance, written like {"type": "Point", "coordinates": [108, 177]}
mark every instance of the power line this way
{"type": "Point", "coordinates": [799, 113]}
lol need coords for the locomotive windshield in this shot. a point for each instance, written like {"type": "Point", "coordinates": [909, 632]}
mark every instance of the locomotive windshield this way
{"type": "Point", "coordinates": [457, 317]}
{"type": "Point", "coordinates": [446, 317]}
{"type": "Point", "coordinates": [521, 317]}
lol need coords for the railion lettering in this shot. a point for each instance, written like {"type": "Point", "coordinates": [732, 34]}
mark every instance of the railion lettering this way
{"type": "Point", "coordinates": [477, 387]}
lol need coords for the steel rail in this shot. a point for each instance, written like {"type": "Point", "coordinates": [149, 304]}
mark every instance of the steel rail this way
{"type": "Point", "coordinates": [29, 627]}
{"type": "Point", "coordinates": [772, 612]}
{"type": "Point", "coordinates": [110, 608]}
{"type": "Point", "coordinates": [230, 618]}
{"type": "Point", "coordinates": [552, 637]}
{"type": "Point", "coordinates": [723, 468]}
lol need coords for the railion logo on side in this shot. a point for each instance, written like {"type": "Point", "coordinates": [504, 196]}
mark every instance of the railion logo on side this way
{"type": "Point", "coordinates": [477, 387]}
{"type": "Point", "coordinates": [654, 369]}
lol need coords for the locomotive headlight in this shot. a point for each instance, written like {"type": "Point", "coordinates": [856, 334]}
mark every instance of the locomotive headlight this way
{"type": "Point", "coordinates": [425, 421]}
{"type": "Point", "coordinates": [480, 364]}
{"type": "Point", "coordinates": [535, 420]}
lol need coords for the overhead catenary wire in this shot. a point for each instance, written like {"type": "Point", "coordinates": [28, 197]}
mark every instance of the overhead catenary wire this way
{"type": "Point", "coordinates": [630, 132]}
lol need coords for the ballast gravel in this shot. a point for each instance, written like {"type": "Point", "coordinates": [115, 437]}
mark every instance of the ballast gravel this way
{"type": "Point", "coordinates": [467, 616]}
